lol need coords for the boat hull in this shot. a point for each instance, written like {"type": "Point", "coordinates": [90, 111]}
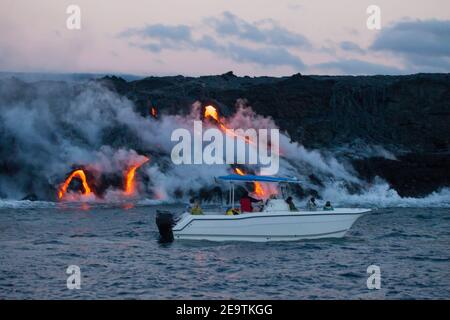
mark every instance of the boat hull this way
{"type": "Point", "coordinates": [262, 227]}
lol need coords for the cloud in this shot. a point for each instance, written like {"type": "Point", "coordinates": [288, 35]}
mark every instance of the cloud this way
{"type": "Point", "coordinates": [161, 31]}
{"type": "Point", "coordinates": [267, 56]}
{"type": "Point", "coordinates": [351, 46]}
{"type": "Point", "coordinates": [209, 43]}
{"type": "Point", "coordinates": [267, 50]}
{"type": "Point", "coordinates": [358, 67]}
{"type": "Point", "coordinates": [161, 36]}
{"type": "Point", "coordinates": [422, 43]}
{"type": "Point", "coordinates": [265, 32]}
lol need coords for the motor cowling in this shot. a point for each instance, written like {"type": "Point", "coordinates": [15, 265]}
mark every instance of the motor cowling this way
{"type": "Point", "coordinates": [165, 222]}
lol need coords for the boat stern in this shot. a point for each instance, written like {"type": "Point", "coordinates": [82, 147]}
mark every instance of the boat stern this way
{"type": "Point", "coordinates": [165, 222]}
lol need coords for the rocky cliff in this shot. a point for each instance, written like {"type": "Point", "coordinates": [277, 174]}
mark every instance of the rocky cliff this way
{"type": "Point", "coordinates": [393, 127]}
{"type": "Point", "coordinates": [407, 115]}
{"type": "Point", "coordinates": [409, 112]}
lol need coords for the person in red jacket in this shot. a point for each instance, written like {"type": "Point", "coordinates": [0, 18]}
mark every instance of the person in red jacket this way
{"type": "Point", "coordinates": [246, 203]}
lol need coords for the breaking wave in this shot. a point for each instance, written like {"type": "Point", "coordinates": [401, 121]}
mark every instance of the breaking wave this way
{"type": "Point", "coordinates": [381, 195]}
{"type": "Point", "coordinates": [25, 204]}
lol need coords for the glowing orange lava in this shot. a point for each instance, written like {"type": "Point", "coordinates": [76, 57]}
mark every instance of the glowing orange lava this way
{"type": "Point", "coordinates": [259, 191]}
{"type": "Point", "coordinates": [130, 187]}
{"type": "Point", "coordinates": [76, 174]}
{"type": "Point", "coordinates": [211, 112]}
{"type": "Point", "coordinates": [154, 112]}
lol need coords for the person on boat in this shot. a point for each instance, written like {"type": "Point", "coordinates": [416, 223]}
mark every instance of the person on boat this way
{"type": "Point", "coordinates": [328, 206]}
{"type": "Point", "coordinates": [190, 205]}
{"type": "Point", "coordinates": [311, 205]}
{"type": "Point", "coordinates": [232, 212]}
{"type": "Point", "coordinates": [246, 202]}
{"type": "Point", "coordinates": [196, 209]}
{"type": "Point", "coordinates": [291, 204]}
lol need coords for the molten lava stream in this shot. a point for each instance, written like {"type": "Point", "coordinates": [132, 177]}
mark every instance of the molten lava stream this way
{"type": "Point", "coordinates": [130, 187]}
{"type": "Point", "coordinates": [211, 112]}
{"type": "Point", "coordinates": [154, 112]}
{"type": "Point", "coordinates": [76, 174]}
{"type": "Point", "coordinates": [258, 189]}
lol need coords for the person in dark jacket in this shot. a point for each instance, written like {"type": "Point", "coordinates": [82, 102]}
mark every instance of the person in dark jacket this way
{"type": "Point", "coordinates": [311, 205]}
{"type": "Point", "coordinates": [328, 206]}
{"type": "Point", "coordinates": [291, 204]}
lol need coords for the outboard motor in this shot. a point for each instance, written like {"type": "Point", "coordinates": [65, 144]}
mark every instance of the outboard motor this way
{"type": "Point", "coordinates": [165, 222]}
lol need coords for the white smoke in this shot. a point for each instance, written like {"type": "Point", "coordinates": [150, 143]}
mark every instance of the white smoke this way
{"type": "Point", "coordinates": [58, 127]}
{"type": "Point", "coordinates": [381, 195]}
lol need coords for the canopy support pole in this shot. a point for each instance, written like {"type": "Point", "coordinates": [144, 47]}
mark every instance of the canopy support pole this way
{"type": "Point", "coordinates": [232, 194]}
{"type": "Point", "coordinates": [229, 195]}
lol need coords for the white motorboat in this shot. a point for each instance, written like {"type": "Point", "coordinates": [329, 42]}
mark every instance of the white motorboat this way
{"type": "Point", "coordinates": [275, 222]}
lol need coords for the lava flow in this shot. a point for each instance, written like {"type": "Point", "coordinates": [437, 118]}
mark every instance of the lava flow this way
{"type": "Point", "coordinates": [154, 112]}
{"type": "Point", "coordinates": [130, 187]}
{"type": "Point", "coordinates": [258, 189]}
{"type": "Point", "coordinates": [76, 174]}
{"type": "Point", "coordinates": [211, 113]}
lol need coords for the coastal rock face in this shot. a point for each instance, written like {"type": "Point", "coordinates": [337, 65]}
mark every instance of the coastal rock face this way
{"type": "Point", "coordinates": [393, 127]}
{"type": "Point", "coordinates": [407, 115]}
{"type": "Point", "coordinates": [411, 175]}
{"type": "Point", "coordinates": [409, 112]}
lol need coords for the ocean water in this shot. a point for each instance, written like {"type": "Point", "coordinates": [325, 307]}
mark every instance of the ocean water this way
{"type": "Point", "coordinates": [117, 250]}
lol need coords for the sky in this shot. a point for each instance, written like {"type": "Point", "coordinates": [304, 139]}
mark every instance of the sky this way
{"type": "Point", "coordinates": [203, 37]}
